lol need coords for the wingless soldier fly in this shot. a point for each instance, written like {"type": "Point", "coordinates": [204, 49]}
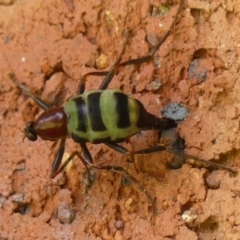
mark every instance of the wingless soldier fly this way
{"type": "Point", "coordinates": [106, 116]}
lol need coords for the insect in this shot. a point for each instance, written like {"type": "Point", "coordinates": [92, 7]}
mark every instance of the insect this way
{"type": "Point", "coordinates": [106, 116]}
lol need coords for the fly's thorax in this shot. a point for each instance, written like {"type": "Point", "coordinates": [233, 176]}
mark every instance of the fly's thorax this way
{"type": "Point", "coordinates": [52, 124]}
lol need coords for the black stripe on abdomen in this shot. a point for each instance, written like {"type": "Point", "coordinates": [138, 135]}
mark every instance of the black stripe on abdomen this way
{"type": "Point", "coordinates": [81, 113]}
{"type": "Point", "coordinates": [122, 110]}
{"type": "Point", "coordinates": [94, 112]}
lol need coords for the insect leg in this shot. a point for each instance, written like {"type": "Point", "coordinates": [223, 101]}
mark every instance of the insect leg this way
{"type": "Point", "coordinates": [184, 155]}
{"type": "Point", "coordinates": [175, 164]}
{"type": "Point", "coordinates": [118, 148]}
{"type": "Point", "coordinates": [128, 175]}
{"type": "Point", "coordinates": [87, 161]}
{"type": "Point", "coordinates": [109, 74]}
{"type": "Point", "coordinates": [155, 48]}
{"type": "Point", "coordinates": [90, 175]}
{"type": "Point", "coordinates": [113, 69]}
{"type": "Point", "coordinates": [69, 159]}
{"type": "Point", "coordinates": [88, 165]}
{"type": "Point", "coordinates": [141, 60]}
{"type": "Point", "coordinates": [153, 149]}
{"type": "Point", "coordinates": [86, 153]}
{"type": "Point", "coordinates": [83, 79]}
{"type": "Point", "coordinates": [121, 149]}
{"type": "Point", "coordinates": [58, 158]}
{"type": "Point", "coordinates": [28, 93]}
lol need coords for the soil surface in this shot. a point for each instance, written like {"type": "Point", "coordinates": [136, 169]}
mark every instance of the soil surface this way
{"type": "Point", "coordinates": [49, 45]}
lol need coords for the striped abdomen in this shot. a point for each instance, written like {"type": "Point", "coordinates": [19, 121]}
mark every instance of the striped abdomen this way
{"type": "Point", "coordinates": [110, 115]}
{"type": "Point", "coordinates": [99, 116]}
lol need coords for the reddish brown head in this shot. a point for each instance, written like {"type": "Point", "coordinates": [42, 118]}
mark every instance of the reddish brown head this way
{"type": "Point", "coordinates": [50, 125]}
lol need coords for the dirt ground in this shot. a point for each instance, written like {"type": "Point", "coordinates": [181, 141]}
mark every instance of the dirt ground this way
{"type": "Point", "coordinates": [49, 45]}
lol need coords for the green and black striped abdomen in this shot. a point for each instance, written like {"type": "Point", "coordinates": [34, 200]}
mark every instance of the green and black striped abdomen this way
{"type": "Point", "coordinates": [100, 116]}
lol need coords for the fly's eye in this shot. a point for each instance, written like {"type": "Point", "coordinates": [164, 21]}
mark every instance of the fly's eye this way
{"type": "Point", "coordinates": [31, 137]}
{"type": "Point", "coordinates": [29, 131]}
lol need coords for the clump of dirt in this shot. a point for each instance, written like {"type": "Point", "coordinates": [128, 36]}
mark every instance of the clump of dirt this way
{"type": "Point", "coordinates": [49, 45]}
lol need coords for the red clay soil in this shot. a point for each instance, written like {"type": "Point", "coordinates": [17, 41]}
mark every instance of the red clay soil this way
{"type": "Point", "coordinates": [49, 45]}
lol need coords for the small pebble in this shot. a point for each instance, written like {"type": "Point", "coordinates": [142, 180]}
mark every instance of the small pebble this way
{"type": "Point", "coordinates": [102, 62]}
{"type": "Point", "coordinates": [130, 205]}
{"type": "Point", "coordinates": [175, 111]}
{"type": "Point", "coordinates": [213, 180]}
{"type": "Point", "coordinates": [66, 214]}
{"type": "Point", "coordinates": [119, 224]}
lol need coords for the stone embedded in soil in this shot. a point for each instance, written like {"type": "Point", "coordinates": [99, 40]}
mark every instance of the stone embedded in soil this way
{"type": "Point", "coordinates": [175, 111]}
{"type": "Point", "coordinates": [21, 203]}
{"type": "Point", "coordinates": [102, 62]}
{"type": "Point", "coordinates": [19, 198]}
{"type": "Point", "coordinates": [65, 209]}
{"type": "Point", "coordinates": [61, 181]}
{"type": "Point", "coordinates": [66, 214]}
{"type": "Point", "coordinates": [156, 84]}
{"type": "Point", "coordinates": [130, 205]}
{"type": "Point", "coordinates": [119, 224]}
{"type": "Point", "coordinates": [189, 217]}
{"type": "Point", "coordinates": [196, 71]}
{"type": "Point", "coordinates": [54, 91]}
{"type": "Point", "coordinates": [213, 180]}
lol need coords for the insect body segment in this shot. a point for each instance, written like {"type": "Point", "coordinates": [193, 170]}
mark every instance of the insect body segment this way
{"type": "Point", "coordinates": [50, 125]}
{"type": "Point", "coordinates": [99, 116]}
